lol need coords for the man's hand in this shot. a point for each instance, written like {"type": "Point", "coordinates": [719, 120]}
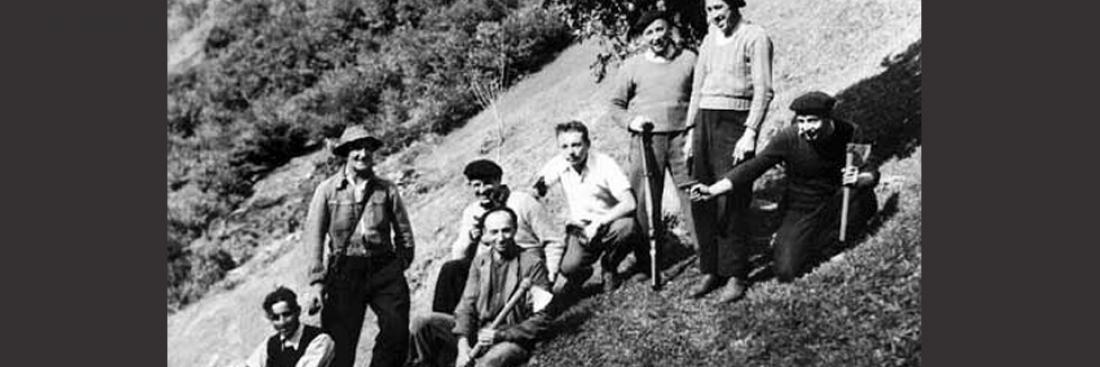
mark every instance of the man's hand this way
{"type": "Point", "coordinates": [851, 176]}
{"type": "Point", "coordinates": [475, 235]}
{"type": "Point", "coordinates": [463, 353]}
{"type": "Point", "coordinates": [745, 147]}
{"type": "Point", "coordinates": [313, 299]}
{"type": "Point", "coordinates": [638, 121]}
{"type": "Point", "coordinates": [487, 336]}
{"type": "Point", "coordinates": [592, 229]}
{"type": "Point", "coordinates": [700, 192]}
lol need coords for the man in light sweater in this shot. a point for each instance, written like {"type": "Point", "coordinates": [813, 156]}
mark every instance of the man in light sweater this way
{"type": "Point", "coordinates": [731, 90]}
{"type": "Point", "coordinates": [655, 87]}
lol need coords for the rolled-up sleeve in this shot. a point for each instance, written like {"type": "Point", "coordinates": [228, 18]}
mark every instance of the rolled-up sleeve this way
{"type": "Point", "coordinates": [317, 220]}
{"type": "Point", "coordinates": [403, 241]}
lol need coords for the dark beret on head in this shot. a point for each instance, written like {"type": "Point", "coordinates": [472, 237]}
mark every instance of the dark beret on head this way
{"type": "Point", "coordinates": [648, 18]}
{"type": "Point", "coordinates": [814, 103]}
{"type": "Point", "coordinates": [483, 169]}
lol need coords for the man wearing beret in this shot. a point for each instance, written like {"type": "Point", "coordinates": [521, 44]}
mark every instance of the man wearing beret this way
{"type": "Point", "coordinates": [361, 219]}
{"type": "Point", "coordinates": [813, 151]}
{"type": "Point", "coordinates": [534, 231]}
{"type": "Point", "coordinates": [655, 87]}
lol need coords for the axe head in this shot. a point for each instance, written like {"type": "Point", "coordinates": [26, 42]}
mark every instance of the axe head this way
{"type": "Point", "coordinates": [859, 152]}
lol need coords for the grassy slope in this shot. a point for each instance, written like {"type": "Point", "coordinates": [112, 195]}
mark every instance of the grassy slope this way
{"type": "Point", "coordinates": [223, 327]}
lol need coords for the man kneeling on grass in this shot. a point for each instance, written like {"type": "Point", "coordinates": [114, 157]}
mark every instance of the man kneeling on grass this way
{"type": "Point", "coordinates": [294, 344]}
{"type": "Point", "coordinates": [495, 277]}
{"type": "Point", "coordinates": [813, 150]}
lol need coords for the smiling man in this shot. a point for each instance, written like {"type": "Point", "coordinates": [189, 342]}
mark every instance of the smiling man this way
{"type": "Point", "coordinates": [362, 220]}
{"type": "Point", "coordinates": [813, 152]}
{"type": "Point", "coordinates": [601, 206]}
{"type": "Point", "coordinates": [294, 344]}
{"type": "Point", "coordinates": [655, 87]}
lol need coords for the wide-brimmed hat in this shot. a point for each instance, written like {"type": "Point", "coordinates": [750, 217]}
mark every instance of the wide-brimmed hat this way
{"type": "Point", "coordinates": [354, 134]}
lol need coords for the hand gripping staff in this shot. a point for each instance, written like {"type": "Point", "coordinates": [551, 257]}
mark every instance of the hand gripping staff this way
{"type": "Point", "coordinates": [479, 348]}
{"type": "Point", "coordinates": [652, 216]}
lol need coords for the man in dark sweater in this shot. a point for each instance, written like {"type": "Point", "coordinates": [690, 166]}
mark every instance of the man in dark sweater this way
{"type": "Point", "coordinates": [813, 152]}
{"type": "Point", "coordinates": [294, 344]}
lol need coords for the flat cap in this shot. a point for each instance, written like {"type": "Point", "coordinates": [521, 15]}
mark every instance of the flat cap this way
{"type": "Point", "coordinates": [814, 103]}
{"type": "Point", "coordinates": [483, 169]}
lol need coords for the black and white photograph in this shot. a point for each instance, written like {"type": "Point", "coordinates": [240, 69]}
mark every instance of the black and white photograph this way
{"type": "Point", "coordinates": [429, 183]}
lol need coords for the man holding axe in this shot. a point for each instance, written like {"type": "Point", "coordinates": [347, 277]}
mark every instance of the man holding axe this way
{"type": "Point", "coordinates": [503, 309]}
{"type": "Point", "coordinates": [819, 157]}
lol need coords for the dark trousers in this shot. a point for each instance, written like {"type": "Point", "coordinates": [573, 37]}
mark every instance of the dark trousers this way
{"type": "Point", "coordinates": [450, 284]}
{"type": "Point", "coordinates": [382, 286]}
{"type": "Point", "coordinates": [806, 231]}
{"type": "Point", "coordinates": [433, 344]}
{"type": "Point", "coordinates": [668, 154]}
{"type": "Point", "coordinates": [721, 224]}
{"type": "Point", "coordinates": [614, 243]}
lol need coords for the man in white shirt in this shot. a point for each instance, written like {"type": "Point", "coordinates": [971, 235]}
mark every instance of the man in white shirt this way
{"type": "Point", "coordinates": [294, 344]}
{"type": "Point", "coordinates": [601, 206]}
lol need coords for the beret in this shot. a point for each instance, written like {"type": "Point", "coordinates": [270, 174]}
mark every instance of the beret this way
{"type": "Point", "coordinates": [483, 169]}
{"type": "Point", "coordinates": [648, 18]}
{"type": "Point", "coordinates": [813, 103]}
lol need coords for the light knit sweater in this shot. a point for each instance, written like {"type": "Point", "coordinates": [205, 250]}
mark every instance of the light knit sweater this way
{"type": "Point", "coordinates": [658, 89]}
{"type": "Point", "coordinates": [734, 73]}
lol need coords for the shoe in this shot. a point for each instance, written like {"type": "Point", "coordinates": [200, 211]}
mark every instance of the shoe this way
{"type": "Point", "coordinates": [610, 282]}
{"type": "Point", "coordinates": [710, 282]}
{"type": "Point", "coordinates": [733, 291]}
{"type": "Point", "coordinates": [640, 277]}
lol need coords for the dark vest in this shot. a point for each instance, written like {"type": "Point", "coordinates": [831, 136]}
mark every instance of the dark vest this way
{"type": "Point", "coordinates": [277, 357]}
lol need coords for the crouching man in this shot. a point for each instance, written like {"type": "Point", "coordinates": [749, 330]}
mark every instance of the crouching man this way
{"type": "Point", "coordinates": [495, 276]}
{"type": "Point", "coordinates": [294, 344]}
{"type": "Point", "coordinates": [813, 150]}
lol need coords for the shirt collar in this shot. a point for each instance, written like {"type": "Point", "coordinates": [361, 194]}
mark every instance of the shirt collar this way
{"type": "Point", "coordinates": [295, 340]}
{"type": "Point", "coordinates": [587, 164]}
{"type": "Point", "coordinates": [345, 178]}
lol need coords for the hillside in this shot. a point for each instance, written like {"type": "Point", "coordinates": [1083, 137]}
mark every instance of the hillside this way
{"type": "Point", "coordinates": [838, 47]}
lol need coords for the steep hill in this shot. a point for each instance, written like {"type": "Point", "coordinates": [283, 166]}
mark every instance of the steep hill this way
{"type": "Point", "coordinates": [838, 47]}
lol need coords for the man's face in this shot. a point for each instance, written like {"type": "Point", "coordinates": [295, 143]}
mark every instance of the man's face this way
{"type": "Point", "coordinates": [574, 147]}
{"type": "Point", "coordinates": [812, 127]}
{"type": "Point", "coordinates": [500, 232]}
{"type": "Point", "coordinates": [284, 318]}
{"type": "Point", "coordinates": [718, 14]}
{"type": "Point", "coordinates": [657, 36]}
{"type": "Point", "coordinates": [360, 157]}
{"type": "Point", "coordinates": [483, 189]}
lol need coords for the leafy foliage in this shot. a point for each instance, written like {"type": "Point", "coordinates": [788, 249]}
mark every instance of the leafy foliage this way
{"type": "Point", "coordinates": [281, 76]}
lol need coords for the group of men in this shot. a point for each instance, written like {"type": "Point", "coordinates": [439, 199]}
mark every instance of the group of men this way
{"type": "Point", "coordinates": [511, 271]}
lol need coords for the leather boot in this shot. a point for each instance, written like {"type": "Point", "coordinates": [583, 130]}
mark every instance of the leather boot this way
{"type": "Point", "coordinates": [710, 282]}
{"type": "Point", "coordinates": [733, 291]}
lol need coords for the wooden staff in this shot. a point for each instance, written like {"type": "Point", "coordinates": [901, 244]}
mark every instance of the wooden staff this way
{"type": "Point", "coordinates": [516, 296]}
{"type": "Point", "coordinates": [651, 197]}
{"type": "Point", "coordinates": [844, 204]}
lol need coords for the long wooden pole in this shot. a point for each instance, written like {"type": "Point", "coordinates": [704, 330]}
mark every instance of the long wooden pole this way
{"type": "Point", "coordinates": [651, 214]}
{"type": "Point", "coordinates": [844, 204]}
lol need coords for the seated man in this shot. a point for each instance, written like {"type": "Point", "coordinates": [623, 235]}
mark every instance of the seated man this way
{"type": "Point", "coordinates": [601, 207]}
{"type": "Point", "coordinates": [813, 150]}
{"type": "Point", "coordinates": [294, 344]}
{"type": "Point", "coordinates": [495, 275]}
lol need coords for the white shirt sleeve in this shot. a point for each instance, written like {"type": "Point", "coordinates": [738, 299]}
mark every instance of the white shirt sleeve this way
{"type": "Point", "coordinates": [614, 177]}
{"type": "Point", "coordinates": [319, 352]}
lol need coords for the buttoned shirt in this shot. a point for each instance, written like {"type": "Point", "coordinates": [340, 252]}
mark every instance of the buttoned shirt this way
{"type": "Point", "coordinates": [318, 353]}
{"type": "Point", "coordinates": [590, 192]}
{"type": "Point", "coordinates": [364, 219]}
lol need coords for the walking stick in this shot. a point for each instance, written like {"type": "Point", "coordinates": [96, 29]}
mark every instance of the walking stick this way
{"type": "Point", "coordinates": [651, 198]}
{"type": "Point", "coordinates": [516, 296]}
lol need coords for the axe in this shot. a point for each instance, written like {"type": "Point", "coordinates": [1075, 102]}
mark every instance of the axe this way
{"type": "Point", "coordinates": [479, 348]}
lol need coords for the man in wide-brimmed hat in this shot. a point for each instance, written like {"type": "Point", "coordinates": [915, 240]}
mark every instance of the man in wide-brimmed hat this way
{"type": "Point", "coordinates": [370, 245]}
{"type": "Point", "coordinates": [813, 151]}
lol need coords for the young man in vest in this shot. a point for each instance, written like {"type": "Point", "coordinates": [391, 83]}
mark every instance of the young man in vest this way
{"type": "Point", "coordinates": [294, 344]}
{"type": "Point", "coordinates": [363, 221]}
